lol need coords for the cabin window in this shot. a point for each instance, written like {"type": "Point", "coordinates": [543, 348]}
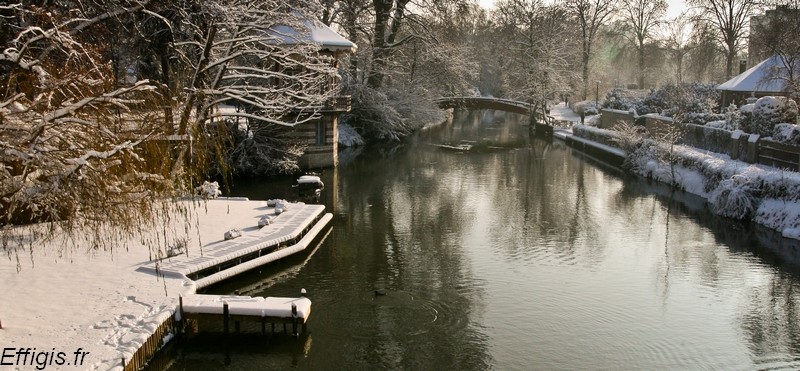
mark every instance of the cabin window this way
{"type": "Point", "coordinates": [321, 132]}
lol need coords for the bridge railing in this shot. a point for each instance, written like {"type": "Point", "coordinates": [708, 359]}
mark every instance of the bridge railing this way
{"type": "Point", "coordinates": [503, 105]}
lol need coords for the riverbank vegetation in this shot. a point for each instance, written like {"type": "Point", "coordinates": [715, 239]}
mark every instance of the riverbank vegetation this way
{"type": "Point", "coordinates": [111, 109]}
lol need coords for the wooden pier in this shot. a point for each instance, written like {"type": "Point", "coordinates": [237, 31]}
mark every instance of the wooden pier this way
{"type": "Point", "coordinates": [290, 230]}
{"type": "Point", "coordinates": [236, 309]}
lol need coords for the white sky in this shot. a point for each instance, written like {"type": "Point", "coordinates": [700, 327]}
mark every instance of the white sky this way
{"type": "Point", "coordinates": [675, 6]}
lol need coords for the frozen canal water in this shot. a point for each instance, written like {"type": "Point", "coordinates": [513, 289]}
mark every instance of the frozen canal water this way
{"type": "Point", "coordinates": [496, 250]}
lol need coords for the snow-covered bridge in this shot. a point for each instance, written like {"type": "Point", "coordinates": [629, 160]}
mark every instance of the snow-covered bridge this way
{"type": "Point", "coordinates": [485, 103]}
{"type": "Point", "coordinates": [542, 123]}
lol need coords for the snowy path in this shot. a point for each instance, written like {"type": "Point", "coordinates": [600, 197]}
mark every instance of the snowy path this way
{"type": "Point", "coordinates": [562, 112]}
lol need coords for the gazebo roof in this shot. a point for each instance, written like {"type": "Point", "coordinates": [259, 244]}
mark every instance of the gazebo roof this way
{"type": "Point", "coordinates": [319, 33]}
{"type": "Point", "coordinates": [765, 77]}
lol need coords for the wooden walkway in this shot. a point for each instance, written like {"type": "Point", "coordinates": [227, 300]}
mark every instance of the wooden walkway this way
{"type": "Point", "coordinates": [236, 309]}
{"type": "Point", "coordinates": [292, 231]}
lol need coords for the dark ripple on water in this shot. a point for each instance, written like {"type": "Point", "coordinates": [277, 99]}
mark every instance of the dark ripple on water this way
{"type": "Point", "coordinates": [398, 312]}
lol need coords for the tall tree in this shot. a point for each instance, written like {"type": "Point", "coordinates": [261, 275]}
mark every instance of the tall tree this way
{"type": "Point", "coordinates": [730, 18]}
{"type": "Point", "coordinates": [590, 15]}
{"type": "Point", "coordinates": [539, 50]}
{"type": "Point", "coordinates": [776, 34]}
{"type": "Point", "coordinates": [679, 39]}
{"type": "Point", "coordinates": [641, 18]}
{"type": "Point", "coordinates": [389, 17]}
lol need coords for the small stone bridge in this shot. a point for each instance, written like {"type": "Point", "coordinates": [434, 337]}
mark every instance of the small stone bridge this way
{"type": "Point", "coordinates": [540, 121]}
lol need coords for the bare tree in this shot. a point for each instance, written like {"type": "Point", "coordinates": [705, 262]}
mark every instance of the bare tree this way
{"type": "Point", "coordinates": [539, 50]}
{"type": "Point", "coordinates": [591, 15]}
{"type": "Point", "coordinates": [641, 18]}
{"type": "Point", "coordinates": [731, 19]}
{"type": "Point", "coordinates": [89, 153]}
{"type": "Point", "coordinates": [679, 39]}
{"type": "Point", "coordinates": [71, 138]}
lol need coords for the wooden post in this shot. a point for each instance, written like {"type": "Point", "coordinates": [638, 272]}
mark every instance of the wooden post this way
{"type": "Point", "coordinates": [180, 311]}
{"type": "Point", "coordinates": [752, 148]}
{"type": "Point", "coordinates": [294, 319]}
{"type": "Point", "coordinates": [263, 325]}
{"type": "Point", "coordinates": [225, 317]}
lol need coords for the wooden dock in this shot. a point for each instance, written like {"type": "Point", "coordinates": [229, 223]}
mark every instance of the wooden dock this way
{"type": "Point", "coordinates": [290, 230]}
{"type": "Point", "coordinates": [235, 309]}
{"type": "Point", "coordinates": [293, 230]}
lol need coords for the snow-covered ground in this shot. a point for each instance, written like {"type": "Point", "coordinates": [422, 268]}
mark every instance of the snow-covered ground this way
{"type": "Point", "coordinates": [733, 188]}
{"type": "Point", "coordinates": [70, 308]}
{"type": "Point", "coordinates": [563, 112]}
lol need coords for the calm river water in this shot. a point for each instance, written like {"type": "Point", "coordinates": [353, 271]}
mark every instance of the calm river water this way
{"type": "Point", "coordinates": [516, 254]}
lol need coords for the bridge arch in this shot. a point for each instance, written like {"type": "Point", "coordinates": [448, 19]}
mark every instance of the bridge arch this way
{"type": "Point", "coordinates": [540, 121]}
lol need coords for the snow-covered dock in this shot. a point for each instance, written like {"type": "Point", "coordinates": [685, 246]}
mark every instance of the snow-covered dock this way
{"type": "Point", "coordinates": [234, 308]}
{"type": "Point", "coordinates": [112, 305]}
{"type": "Point", "coordinates": [289, 232]}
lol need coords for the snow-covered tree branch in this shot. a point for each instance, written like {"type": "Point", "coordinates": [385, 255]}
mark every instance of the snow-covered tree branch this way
{"type": "Point", "coordinates": [95, 96]}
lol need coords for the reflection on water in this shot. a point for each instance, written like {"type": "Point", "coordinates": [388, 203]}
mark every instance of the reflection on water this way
{"type": "Point", "coordinates": [510, 252]}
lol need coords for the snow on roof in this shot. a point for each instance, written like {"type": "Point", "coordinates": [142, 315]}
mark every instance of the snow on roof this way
{"type": "Point", "coordinates": [765, 77]}
{"type": "Point", "coordinates": [319, 33]}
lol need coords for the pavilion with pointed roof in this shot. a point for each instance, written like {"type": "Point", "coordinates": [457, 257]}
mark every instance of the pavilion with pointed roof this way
{"type": "Point", "coordinates": [769, 77]}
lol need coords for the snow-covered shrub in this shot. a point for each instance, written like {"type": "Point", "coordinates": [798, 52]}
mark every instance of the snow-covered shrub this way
{"type": "Point", "coordinates": [641, 159]}
{"type": "Point", "coordinates": [263, 149]}
{"type": "Point", "coordinates": [591, 108]}
{"type": "Point", "coordinates": [628, 136]}
{"type": "Point", "coordinates": [619, 99]}
{"type": "Point", "coordinates": [585, 108]}
{"type": "Point", "coordinates": [686, 99]}
{"type": "Point", "coordinates": [702, 118]}
{"type": "Point", "coordinates": [392, 114]}
{"type": "Point", "coordinates": [689, 98]}
{"type": "Point", "coordinates": [733, 198]}
{"type": "Point", "coordinates": [721, 124]}
{"type": "Point", "coordinates": [770, 111]}
{"type": "Point", "coordinates": [732, 120]}
{"type": "Point", "coordinates": [209, 190]}
{"type": "Point", "coordinates": [787, 134]}
{"type": "Point", "coordinates": [349, 137]}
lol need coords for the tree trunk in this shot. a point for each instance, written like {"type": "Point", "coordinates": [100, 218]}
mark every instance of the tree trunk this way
{"type": "Point", "coordinates": [641, 63]}
{"type": "Point", "coordinates": [382, 11]}
{"type": "Point", "coordinates": [729, 59]}
{"type": "Point", "coordinates": [585, 60]}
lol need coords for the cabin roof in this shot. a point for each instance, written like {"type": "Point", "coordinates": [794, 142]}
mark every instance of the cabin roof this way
{"type": "Point", "coordinates": [318, 33]}
{"type": "Point", "coordinates": [765, 77]}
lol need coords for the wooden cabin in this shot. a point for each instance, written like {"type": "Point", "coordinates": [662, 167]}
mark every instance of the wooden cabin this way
{"type": "Point", "coordinates": [321, 135]}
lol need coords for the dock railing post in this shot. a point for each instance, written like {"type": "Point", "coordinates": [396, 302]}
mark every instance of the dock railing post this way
{"type": "Point", "coordinates": [294, 319]}
{"type": "Point", "coordinates": [225, 317]}
{"type": "Point", "coordinates": [180, 313]}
